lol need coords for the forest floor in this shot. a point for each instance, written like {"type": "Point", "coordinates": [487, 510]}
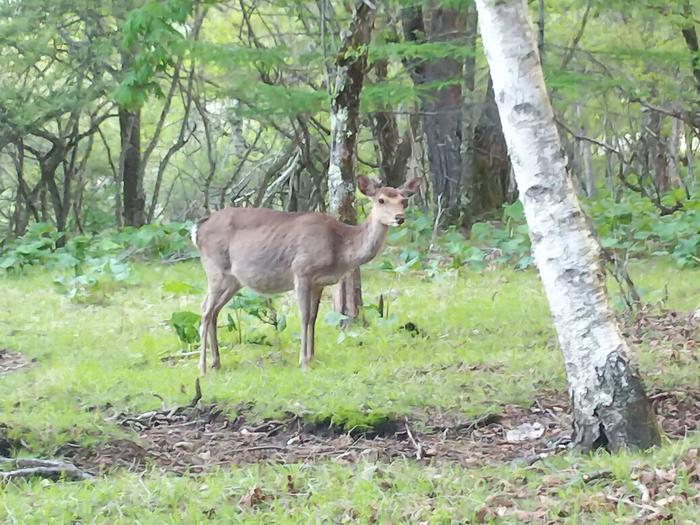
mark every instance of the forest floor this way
{"type": "Point", "coordinates": [452, 409]}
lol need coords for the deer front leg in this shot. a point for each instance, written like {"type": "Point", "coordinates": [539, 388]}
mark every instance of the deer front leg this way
{"type": "Point", "coordinates": [313, 313]}
{"type": "Point", "coordinates": [303, 290]}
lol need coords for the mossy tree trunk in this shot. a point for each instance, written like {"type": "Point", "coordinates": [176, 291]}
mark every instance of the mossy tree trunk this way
{"type": "Point", "coordinates": [351, 65]}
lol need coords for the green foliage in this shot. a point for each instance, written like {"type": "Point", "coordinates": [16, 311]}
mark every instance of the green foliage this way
{"type": "Point", "coordinates": [87, 269]}
{"type": "Point", "coordinates": [503, 242]}
{"type": "Point", "coordinates": [186, 326]}
{"type": "Point", "coordinates": [260, 307]}
{"type": "Point", "coordinates": [156, 240]}
{"type": "Point", "coordinates": [43, 245]}
{"type": "Point", "coordinates": [37, 246]}
{"type": "Point", "coordinates": [633, 225]}
{"type": "Point", "coordinates": [149, 33]}
{"type": "Point", "coordinates": [94, 279]}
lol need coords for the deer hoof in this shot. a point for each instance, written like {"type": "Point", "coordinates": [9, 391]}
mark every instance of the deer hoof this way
{"type": "Point", "coordinates": [216, 365]}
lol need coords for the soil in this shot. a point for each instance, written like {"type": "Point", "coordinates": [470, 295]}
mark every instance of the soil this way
{"type": "Point", "coordinates": [194, 440]}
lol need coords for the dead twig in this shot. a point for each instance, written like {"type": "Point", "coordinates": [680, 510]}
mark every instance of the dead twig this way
{"type": "Point", "coordinates": [419, 447]}
{"type": "Point", "coordinates": [27, 468]}
{"type": "Point", "coordinates": [197, 394]}
{"type": "Point", "coordinates": [177, 357]}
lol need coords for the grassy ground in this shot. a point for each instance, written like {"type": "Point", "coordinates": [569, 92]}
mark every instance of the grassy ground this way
{"type": "Point", "coordinates": [91, 357]}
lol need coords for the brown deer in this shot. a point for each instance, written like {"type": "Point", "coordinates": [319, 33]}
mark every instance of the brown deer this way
{"type": "Point", "coordinates": [273, 251]}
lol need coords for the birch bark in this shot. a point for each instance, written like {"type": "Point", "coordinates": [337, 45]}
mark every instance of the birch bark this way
{"type": "Point", "coordinates": [609, 404]}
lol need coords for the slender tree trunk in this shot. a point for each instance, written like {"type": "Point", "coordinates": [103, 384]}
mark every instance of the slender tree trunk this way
{"type": "Point", "coordinates": [673, 145]}
{"type": "Point", "coordinates": [689, 136]}
{"type": "Point", "coordinates": [133, 201]}
{"type": "Point", "coordinates": [588, 176]}
{"type": "Point", "coordinates": [691, 41]}
{"type": "Point", "coordinates": [655, 161]}
{"type": "Point", "coordinates": [609, 404]}
{"type": "Point", "coordinates": [351, 64]}
{"type": "Point", "coordinates": [540, 28]}
{"type": "Point", "coordinates": [394, 150]}
{"type": "Point", "coordinates": [584, 147]}
{"type": "Point", "coordinates": [22, 202]}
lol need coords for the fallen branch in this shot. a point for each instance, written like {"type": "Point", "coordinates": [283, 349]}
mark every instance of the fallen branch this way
{"type": "Point", "coordinates": [24, 468]}
{"type": "Point", "coordinates": [419, 447]}
{"type": "Point", "coordinates": [177, 357]}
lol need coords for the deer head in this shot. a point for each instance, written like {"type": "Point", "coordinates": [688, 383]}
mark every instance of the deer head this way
{"type": "Point", "coordinates": [388, 204]}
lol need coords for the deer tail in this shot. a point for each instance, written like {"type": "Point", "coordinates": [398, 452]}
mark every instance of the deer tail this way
{"type": "Point", "coordinates": [195, 230]}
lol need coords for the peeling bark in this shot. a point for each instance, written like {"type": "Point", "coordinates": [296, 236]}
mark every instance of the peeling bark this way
{"type": "Point", "coordinates": [351, 64]}
{"type": "Point", "coordinates": [610, 407]}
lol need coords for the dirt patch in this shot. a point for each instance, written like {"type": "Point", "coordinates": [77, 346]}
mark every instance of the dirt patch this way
{"type": "Point", "coordinates": [196, 439]}
{"type": "Point", "coordinates": [11, 361]}
{"type": "Point", "coordinates": [674, 334]}
{"type": "Point", "coordinates": [678, 411]}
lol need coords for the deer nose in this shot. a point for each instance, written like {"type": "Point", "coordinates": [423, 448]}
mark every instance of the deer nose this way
{"type": "Point", "coordinates": [399, 219]}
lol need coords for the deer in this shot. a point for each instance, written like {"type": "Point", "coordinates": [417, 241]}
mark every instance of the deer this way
{"type": "Point", "coordinates": [272, 251]}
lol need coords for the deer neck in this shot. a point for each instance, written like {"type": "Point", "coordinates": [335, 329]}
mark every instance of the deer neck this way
{"type": "Point", "coordinates": [365, 241]}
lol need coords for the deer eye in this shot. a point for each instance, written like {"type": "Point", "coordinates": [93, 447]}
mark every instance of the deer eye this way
{"type": "Point", "coordinates": [380, 200]}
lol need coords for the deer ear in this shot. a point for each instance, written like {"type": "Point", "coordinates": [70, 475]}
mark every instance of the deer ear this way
{"type": "Point", "coordinates": [410, 187]}
{"type": "Point", "coordinates": [367, 186]}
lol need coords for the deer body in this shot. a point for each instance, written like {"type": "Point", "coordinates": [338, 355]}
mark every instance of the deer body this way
{"type": "Point", "coordinates": [272, 251]}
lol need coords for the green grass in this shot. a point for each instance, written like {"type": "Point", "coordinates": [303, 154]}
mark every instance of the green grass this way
{"type": "Point", "coordinates": [89, 357]}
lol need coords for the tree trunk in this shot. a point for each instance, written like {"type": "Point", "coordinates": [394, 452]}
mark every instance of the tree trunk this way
{"type": "Point", "coordinates": [441, 107]}
{"type": "Point", "coordinates": [394, 151]}
{"type": "Point", "coordinates": [20, 219]}
{"type": "Point", "coordinates": [609, 404]}
{"type": "Point", "coordinates": [673, 168]}
{"type": "Point", "coordinates": [351, 63]}
{"type": "Point", "coordinates": [133, 201]}
{"type": "Point", "coordinates": [654, 150]}
{"type": "Point", "coordinates": [588, 178]}
{"type": "Point", "coordinates": [490, 166]}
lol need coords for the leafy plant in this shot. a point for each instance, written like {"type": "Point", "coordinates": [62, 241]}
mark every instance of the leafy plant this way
{"type": "Point", "coordinates": [258, 306]}
{"type": "Point", "coordinates": [186, 326]}
{"type": "Point", "coordinates": [93, 279]}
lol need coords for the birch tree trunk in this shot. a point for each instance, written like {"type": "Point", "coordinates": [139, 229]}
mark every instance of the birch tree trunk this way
{"type": "Point", "coordinates": [351, 64]}
{"type": "Point", "coordinates": [609, 403]}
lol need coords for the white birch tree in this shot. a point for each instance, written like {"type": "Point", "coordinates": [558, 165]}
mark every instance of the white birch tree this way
{"type": "Point", "coordinates": [609, 404]}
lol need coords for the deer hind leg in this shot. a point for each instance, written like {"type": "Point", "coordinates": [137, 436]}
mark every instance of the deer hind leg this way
{"type": "Point", "coordinates": [217, 286]}
{"type": "Point", "coordinates": [314, 300]}
{"type": "Point", "coordinates": [303, 290]}
{"type": "Point", "coordinates": [232, 287]}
